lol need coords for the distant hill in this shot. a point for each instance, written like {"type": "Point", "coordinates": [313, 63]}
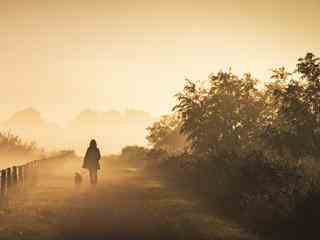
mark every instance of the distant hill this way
{"type": "Point", "coordinates": [26, 117]}
{"type": "Point", "coordinates": [137, 115]}
{"type": "Point", "coordinates": [92, 117]}
{"type": "Point", "coordinates": [112, 129]}
{"type": "Point", "coordinates": [31, 126]}
{"type": "Point", "coordinates": [29, 119]}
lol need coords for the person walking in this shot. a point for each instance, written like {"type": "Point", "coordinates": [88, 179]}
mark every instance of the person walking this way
{"type": "Point", "coordinates": [91, 161]}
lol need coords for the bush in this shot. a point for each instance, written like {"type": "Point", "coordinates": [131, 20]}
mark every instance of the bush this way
{"type": "Point", "coordinates": [12, 143]}
{"type": "Point", "coordinates": [269, 195]}
{"type": "Point", "coordinates": [134, 154]}
{"type": "Point", "coordinates": [14, 151]}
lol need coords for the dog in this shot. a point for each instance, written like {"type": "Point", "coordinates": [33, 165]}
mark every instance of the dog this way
{"type": "Point", "coordinates": [77, 179]}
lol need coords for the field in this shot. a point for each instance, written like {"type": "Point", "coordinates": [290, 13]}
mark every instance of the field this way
{"type": "Point", "coordinates": [128, 203]}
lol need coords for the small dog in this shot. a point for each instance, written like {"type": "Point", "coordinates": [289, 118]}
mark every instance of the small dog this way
{"type": "Point", "coordinates": [77, 179]}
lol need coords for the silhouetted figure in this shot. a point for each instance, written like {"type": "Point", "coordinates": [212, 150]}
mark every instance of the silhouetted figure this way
{"type": "Point", "coordinates": [91, 161]}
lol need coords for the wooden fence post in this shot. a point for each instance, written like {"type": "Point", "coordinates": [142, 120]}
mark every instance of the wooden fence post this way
{"type": "Point", "coordinates": [14, 175]}
{"type": "Point", "coordinates": [26, 173]}
{"type": "Point", "coordinates": [9, 182]}
{"type": "Point", "coordinates": [36, 169]}
{"type": "Point", "coordinates": [3, 181]}
{"type": "Point", "coordinates": [31, 172]}
{"type": "Point", "coordinates": [20, 174]}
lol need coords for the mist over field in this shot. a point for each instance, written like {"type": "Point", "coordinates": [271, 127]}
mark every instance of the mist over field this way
{"type": "Point", "coordinates": [159, 120]}
{"type": "Point", "coordinates": [113, 129]}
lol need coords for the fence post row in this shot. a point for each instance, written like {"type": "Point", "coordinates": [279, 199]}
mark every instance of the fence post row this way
{"type": "Point", "coordinates": [17, 175]}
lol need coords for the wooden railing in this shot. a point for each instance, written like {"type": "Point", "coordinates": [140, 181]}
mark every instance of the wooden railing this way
{"type": "Point", "coordinates": [27, 173]}
{"type": "Point", "coordinates": [17, 175]}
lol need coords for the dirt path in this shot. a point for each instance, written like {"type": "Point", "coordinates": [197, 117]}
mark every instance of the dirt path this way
{"type": "Point", "coordinates": [127, 204]}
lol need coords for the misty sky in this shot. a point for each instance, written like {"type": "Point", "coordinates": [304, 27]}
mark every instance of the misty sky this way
{"type": "Point", "coordinates": [64, 56]}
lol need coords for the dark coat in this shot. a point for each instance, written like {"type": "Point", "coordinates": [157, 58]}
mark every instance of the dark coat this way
{"type": "Point", "coordinates": [91, 159]}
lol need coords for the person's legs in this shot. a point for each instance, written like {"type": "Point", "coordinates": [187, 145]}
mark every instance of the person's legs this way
{"type": "Point", "coordinates": [93, 176]}
{"type": "Point", "coordinates": [91, 173]}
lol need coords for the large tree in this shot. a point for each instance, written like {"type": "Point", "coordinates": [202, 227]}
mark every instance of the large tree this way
{"type": "Point", "coordinates": [221, 114]}
{"type": "Point", "coordinates": [296, 130]}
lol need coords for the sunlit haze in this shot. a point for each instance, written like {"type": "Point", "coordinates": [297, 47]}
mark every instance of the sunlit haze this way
{"type": "Point", "coordinates": [64, 56]}
{"type": "Point", "coordinates": [159, 120]}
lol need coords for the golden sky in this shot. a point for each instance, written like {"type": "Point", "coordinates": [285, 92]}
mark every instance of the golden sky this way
{"type": "Point", "coordinates": [63, 56]}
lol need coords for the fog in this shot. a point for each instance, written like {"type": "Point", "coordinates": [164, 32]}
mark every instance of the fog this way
{"type": "Point", "coordinates": [112, 129]}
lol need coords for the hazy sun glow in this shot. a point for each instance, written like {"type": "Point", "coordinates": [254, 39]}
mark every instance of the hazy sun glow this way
{"type": "Point", "coordinates": [64, 56]}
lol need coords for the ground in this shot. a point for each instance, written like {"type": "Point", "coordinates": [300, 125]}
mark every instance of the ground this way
{"type": "Point", "coordinates": [128, 203]}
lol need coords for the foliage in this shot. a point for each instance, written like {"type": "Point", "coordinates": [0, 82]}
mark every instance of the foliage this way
{"type": "Point", "coordinates": [165, 134]}
{"type": "Point", "coordinates": [133, 153]}
{"type": "Point", "coordinates": [255, 150]}
{"type": "Point", "coordinates": [12, 143]}
{"type": "Point", "coordinates": [297, 129]}
{"type": "Point", "coordinates": [221, 114]}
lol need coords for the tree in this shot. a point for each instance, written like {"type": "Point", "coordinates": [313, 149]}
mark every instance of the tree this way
{"type": "Point", "coordinates": [165, 134]}
{"type": "Point", "coordinates": [221, 114]}
{"type": "Point", "coordinates": [296, 129]}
